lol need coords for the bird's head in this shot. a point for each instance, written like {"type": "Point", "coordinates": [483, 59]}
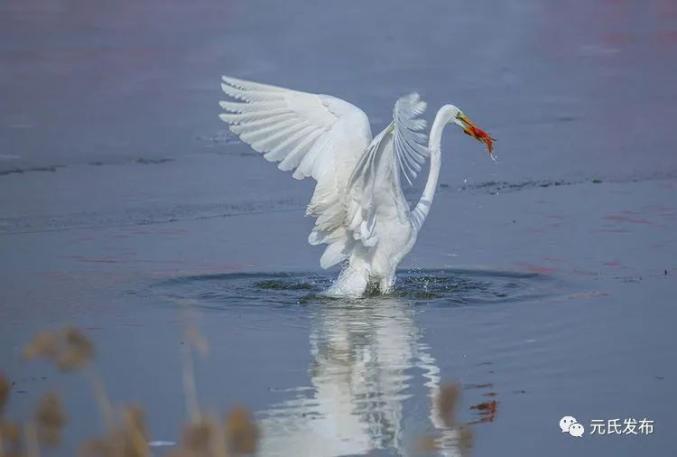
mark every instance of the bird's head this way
{"type": "Point", "coordinates": [459, 118]}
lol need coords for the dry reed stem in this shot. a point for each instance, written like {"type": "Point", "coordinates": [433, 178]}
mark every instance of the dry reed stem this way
{"type": "Point", "coordinates": [189, 387]}
{"type": "Point", "coordinates": [31, 439]}
{"type": "Point", "coordinates": [101, 397]}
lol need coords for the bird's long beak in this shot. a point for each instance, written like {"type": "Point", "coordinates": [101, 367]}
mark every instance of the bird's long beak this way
{"type": "Point", "coordinates": [469, 128]}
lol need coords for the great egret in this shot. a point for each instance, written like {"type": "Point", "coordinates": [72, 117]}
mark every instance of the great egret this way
{"type": "Point", "coordinates": [361, 212]}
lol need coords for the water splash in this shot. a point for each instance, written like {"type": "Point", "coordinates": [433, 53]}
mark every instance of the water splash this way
{"type": "Point", "coordinates": [442, 287]}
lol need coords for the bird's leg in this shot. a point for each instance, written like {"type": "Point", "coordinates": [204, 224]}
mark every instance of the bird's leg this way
{"type": "Point", "coordinates": [386, 284]}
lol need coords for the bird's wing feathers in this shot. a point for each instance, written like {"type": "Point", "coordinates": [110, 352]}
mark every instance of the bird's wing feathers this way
{"type": "Point", "coordinates": [315, 135]}
{"type": "Point", "coordinates": [287, 126]}
{"type": "Point", "coordinates": [408, 139]}
{"type": "Point", "coordinates": [399, 150]}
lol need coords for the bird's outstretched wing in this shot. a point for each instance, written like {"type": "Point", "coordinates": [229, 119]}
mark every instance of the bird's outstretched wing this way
{"type": "Point", "coordinates": [313, 135]}
{"type": "Point", "coordinates": [374, 187]}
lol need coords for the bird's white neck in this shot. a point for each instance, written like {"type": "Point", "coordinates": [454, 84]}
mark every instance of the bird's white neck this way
{"type": "Point", "coordinates": [420, 212]}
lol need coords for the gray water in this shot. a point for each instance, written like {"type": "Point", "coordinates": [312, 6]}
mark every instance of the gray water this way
{"type": "Point", "coordinates": [544, 281]}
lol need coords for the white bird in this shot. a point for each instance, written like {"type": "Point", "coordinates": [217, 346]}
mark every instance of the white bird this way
{"type": "Point", "coordinates": [361, 212]}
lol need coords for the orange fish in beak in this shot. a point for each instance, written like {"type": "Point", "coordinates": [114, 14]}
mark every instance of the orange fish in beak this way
{"type": "Point", "coordinates": [469, 128]}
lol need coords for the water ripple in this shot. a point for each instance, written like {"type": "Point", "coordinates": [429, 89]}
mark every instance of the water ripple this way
{"type": "Point", "coordinates": [441, 287]}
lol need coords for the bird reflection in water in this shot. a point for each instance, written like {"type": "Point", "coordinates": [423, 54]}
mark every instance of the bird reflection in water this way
{"type": "Point", "coordinates": [367, 360]}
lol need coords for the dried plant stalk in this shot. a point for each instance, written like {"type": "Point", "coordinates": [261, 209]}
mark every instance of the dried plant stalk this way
{"type": "Point", "coordinates": [101, 397]}
{"type": "Point", "coordinates": [189, 387]}
{"type": "Point", "coordinates": [193, 339]}
{"type": "Point", "coordinates": [125, 434]}
{"type": "Point", "coordinates": [31, 439]}
{"type": "Point", "coordinates": [127, 439]}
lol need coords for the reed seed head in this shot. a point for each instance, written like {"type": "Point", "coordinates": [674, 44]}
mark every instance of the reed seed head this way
{"type": "Point", "coordinates": [202, 439]}
{"type": "Point", "coordinates": [242, 434]}
{"type": "Point", "coordinates": [10, 433]}
{"type": "Point", "coordinates": [5, 388]}
{"type": "Point", "coordinates": [69, 349]}
{"type": "Point", "coordinates": [50, 419]}
{"type": "Point", "coordinates": [447, 401]}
